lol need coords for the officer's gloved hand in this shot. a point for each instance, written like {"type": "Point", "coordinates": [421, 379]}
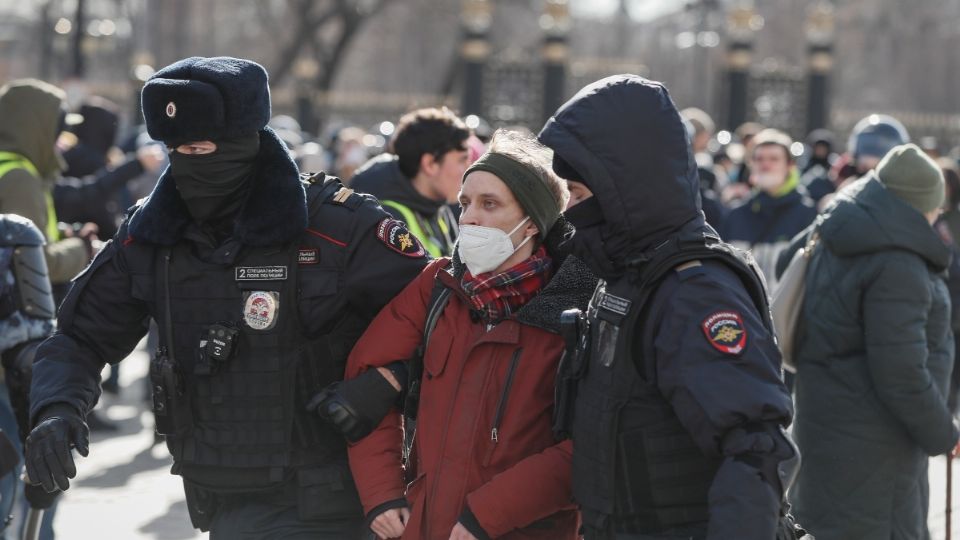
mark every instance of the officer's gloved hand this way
{"type": "Point", "coordinates": [356, 406]}
{"type": "Point", "coordinates": [47, 455]}
{"type": "Point", "coordinates": [38, 498]}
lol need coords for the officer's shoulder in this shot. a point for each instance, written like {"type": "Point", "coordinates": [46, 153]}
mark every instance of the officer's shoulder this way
{"type": "Point", "coordinates": [703, 280]}
{"type": "Point", "coordinates": [125, 242]}
{"type": "Point", "coordinates": [345, 214]}
{"type": "Point", "coordinates": [328, 192]}
{"type": "Point", "coordinates": [122, 238]}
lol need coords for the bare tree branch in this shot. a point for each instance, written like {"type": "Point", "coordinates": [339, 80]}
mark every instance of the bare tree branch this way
{"type": "Point", "coordinates": [352, 21]}
{"type": "Point", "coordinates": [307, 24]}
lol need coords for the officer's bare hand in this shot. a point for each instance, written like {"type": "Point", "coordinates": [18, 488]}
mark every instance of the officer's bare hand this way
{"type": "Point", "coordinates": [48, 450]}
{"type": "Point", "coordinates": [460, 532]}
{"type": "Point", "coordinates": [151, 157]}
{"type": "Point", "coordinates": [391, 523]}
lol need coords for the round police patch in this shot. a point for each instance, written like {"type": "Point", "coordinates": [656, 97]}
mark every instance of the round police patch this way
{"type": "Point", "coordinates": [260, 309]}
{"type": "Point", "coordinates": [171, 109]}
{"type": "Point", "coordinates": [726, 332]}
{"type": "Point", "coordinates": [395, 235]}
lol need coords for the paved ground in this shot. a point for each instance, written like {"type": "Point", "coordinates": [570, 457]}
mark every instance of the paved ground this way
{"type": "Point", "coordinates": [938, 496]}
{"type": "Point", "coordinates": [124, 490]}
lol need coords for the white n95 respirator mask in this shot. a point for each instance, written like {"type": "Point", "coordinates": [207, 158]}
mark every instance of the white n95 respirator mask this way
{"type": "Point", "coordinates": [483, 249]}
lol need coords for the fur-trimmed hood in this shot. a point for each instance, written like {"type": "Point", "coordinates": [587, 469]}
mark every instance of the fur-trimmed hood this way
{"type": "Point", "coordinates": [275, 211]}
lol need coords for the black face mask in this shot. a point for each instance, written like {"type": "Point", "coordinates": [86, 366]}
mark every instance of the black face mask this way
{"type": "Point", "coordinates": [214, 186]}
{"type": "Point", "coordinates": [588, 241]}
{"type": "Point", "coordinates": [585, 214]}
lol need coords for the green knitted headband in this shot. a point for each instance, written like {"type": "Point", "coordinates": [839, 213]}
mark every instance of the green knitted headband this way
{"type": "Point", "coordinates": [532, 194]}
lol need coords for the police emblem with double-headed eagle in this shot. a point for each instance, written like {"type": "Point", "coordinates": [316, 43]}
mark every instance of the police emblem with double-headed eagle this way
{"type": "Point", "coordinates": [726, 332]}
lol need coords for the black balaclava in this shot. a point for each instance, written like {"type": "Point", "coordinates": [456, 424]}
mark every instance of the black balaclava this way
{"type": "Point", "coordinates": [589, 239]}
{"type": "Point", "coordinates": [588, 220]}
{"type": "Point", "coordinates": [214, 186]}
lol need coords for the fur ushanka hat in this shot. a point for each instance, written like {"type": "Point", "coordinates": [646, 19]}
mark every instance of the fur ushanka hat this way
{"type": "Point", "coordinates": [198, 99]}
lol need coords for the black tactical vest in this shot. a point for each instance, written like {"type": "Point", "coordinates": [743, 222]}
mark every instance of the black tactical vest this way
{"type": "Point", "coordinates": [240, 418]}
{"type": "Point", "coordinates": [635, 468]}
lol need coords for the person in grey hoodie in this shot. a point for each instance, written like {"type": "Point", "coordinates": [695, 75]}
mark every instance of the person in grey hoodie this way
{"type": "Point", "coordinates": [874, 356]}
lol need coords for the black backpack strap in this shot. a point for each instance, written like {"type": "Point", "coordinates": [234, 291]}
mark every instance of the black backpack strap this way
{"type": "Point", "coordinates": [439, 298]}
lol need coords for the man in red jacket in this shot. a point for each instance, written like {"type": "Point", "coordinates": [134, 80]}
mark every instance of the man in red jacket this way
{"type": "Point", "coordinates": [486, 461]}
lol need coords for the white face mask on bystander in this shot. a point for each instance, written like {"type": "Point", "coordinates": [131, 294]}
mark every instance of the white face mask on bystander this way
{"type": "Point", "coordinates": [767, 181]}
{"type": "Point", "coordinates": [483, 249]}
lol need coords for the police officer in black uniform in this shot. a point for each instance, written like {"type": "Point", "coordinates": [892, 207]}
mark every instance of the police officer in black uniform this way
{"type": "Point", "coordinates": [261, 281]}
{"type": "Point", "coordinates": [672, 391]}
{"type": "Point", "coordinates": [27, 311]}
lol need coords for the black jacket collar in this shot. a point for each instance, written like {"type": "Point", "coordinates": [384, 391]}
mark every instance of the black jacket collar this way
{"type": "Point", "coordinates": [275, 211]}
{"type": "Point", "coordinates": [382, 178]}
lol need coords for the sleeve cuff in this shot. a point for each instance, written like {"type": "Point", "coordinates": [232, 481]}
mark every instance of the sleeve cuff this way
{"type": "Point", "coordinates": [381, 508]}
{"type": "Point", "coordinates": [469, 522]}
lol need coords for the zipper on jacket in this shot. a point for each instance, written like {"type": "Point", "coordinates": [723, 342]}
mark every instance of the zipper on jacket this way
{"type": "Point", "coordinates": [167, 315]}
{"type": "Point", "coordinates": [502, 403]}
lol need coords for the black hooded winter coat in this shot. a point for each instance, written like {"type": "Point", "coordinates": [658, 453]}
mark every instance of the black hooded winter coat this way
{"type": "Point", "coordinates": [873, 364]}
{"type": "Point", "coordinates": [624, 138]}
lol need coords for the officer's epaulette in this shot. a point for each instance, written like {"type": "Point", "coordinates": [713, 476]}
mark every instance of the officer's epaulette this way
{"type": "Point", "coordinates": [326, 189]}
{"type": "Point", "coordinates": [344, 196]}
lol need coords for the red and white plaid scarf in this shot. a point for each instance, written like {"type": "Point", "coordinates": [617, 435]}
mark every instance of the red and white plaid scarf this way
{"type": "Point", "coordinates": [496, 296]}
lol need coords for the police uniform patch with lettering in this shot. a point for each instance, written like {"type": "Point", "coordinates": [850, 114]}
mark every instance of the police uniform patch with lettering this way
{"type": "Point", "coordinates": [308, 256]}
{"type": "Point", "coordinates": [260, 309]}
{"type": "Point", "coordinates": [395, 235]}
{"type": "Point", "coordinates": [614, 303]}
{"type": "Point", "coordinates": [726, 332]}
{"type": "Point", "coordinates": [260, 273]}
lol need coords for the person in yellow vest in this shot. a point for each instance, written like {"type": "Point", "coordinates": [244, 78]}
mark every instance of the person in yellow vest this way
{"type": "Point", "coordinates": [31, 118]}
{"type": "Point", "coordinates": [421, 176]}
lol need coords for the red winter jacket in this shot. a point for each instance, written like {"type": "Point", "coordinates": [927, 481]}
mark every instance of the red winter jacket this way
{"type": "Point", "coordinates": [484, 435]}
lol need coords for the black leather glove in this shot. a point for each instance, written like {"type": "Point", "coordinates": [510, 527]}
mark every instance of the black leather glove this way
{"type": "Point", "coordinates": [48, 458]}
{"type": "Point", "coordinates": [356, 406]}
{"type": "Point", "coordinates": [38, 498]}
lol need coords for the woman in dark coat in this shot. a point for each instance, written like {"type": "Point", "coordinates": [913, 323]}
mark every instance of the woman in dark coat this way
{"type": "Point", "coordinates": [874, 357]}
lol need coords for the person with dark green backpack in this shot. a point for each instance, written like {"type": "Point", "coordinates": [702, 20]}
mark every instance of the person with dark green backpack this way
{"type": "Point", "coordinates": [31, 118]}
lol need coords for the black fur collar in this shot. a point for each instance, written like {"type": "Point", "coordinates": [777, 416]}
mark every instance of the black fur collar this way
{"type": "Point", "coordinates": [570, 287]}
{"type": "Point", "coordinates": [275, 211]}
